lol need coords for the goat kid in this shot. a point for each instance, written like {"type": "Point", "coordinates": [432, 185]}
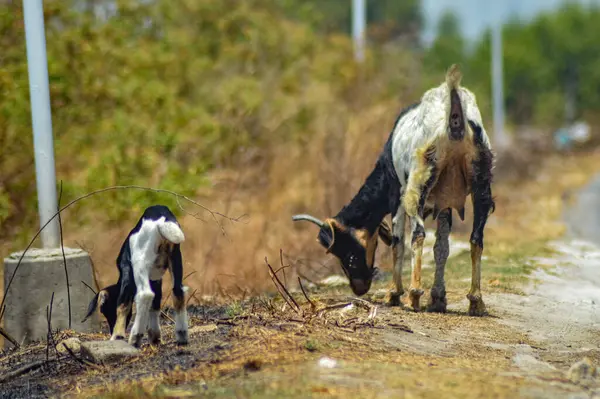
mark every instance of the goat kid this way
{"type": "Point", "coordinates": [152, 247]}
{"type": "Point", "coordinates": [436, 155]}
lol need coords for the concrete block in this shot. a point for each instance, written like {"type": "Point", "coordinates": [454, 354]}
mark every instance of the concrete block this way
{"type": "Point", "coordinates": [107, 351]}
{"type": "Point", "coordinates": [40, 274]}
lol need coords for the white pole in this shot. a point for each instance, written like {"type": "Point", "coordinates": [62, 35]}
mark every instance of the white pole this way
{"type": "Point", "coordinates": [39, 92]}
{"type": "Point", "coordinates": [359, 22]}
{"type": "Point", "coordinates": [500, 137]}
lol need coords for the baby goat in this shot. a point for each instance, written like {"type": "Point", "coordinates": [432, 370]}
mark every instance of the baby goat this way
{"type": "Point", "coordinates": [152, 247]}
{"type": "Point", "coordinates": [437, 154]}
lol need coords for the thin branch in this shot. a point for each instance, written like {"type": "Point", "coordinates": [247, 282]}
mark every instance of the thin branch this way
{"type": "Point", "coordinates": [49, 321]}
{"type": "Point", "coordinates": [103, 190]}
{"type": "Point", "coordinates": [166, 316]}
{"type": "Point", "coordinates": [282, 266]}
{"type": "Point", "coordinates": [62, 247]}
{"type": "Point", "coordinates": [81, 361]}
{"type": "Point", "coordinates": [25, 369]}
{"type": "Point", "coordinates": [189, 274]}
{"type": "Point", "coordinates": [190, 297]}
{"type": "Point", "coordinates": [285, 293]}
{"type": "Point", "coordinates": [312, 304]}
{"type": "Point", "coordinates": [87, 285]}
{"type": "Point", "coordinates": [10, 339]}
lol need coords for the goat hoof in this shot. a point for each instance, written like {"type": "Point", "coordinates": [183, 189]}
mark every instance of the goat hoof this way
{"type": "Point", "coordinates": [476, 305]}
{"type": "Point", "coordinates": [415, 297]}
{"type": "Point", "coordinates": [154, 337]}
{"type": "Point", "coordinates": [394, 299]}
{"type": "Point", "coordinates": [181, 337]}
{"type": "Point", "coordinates": [438, 302]}
{"type": "Point", "coordinates": [136, 340]}
{"type": "Point", "coordinates": [117, 338]}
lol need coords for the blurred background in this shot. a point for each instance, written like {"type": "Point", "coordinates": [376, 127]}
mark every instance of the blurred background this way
{"type": "Point", "coordinates": [259, 108]}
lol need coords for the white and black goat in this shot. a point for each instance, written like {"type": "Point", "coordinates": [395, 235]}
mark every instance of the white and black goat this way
{"type": "Point", "coordinates": [436, 155]}
{"type": "Point", "coordinates": [152, 247]}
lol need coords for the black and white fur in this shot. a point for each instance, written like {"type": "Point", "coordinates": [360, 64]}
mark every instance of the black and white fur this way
{"type": "Point", "coordinates": [152, 247]}
{"type": "Point", "coordinates": [436, 155]}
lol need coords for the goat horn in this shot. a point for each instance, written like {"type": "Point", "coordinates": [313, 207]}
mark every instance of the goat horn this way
{"type": "Point", "coordinates": [308, 218]}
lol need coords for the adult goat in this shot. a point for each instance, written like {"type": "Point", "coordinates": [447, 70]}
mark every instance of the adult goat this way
{"type": "Point", "coordinates": [436, 155]}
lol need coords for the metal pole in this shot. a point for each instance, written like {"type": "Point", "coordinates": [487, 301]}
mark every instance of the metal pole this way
{"type": "Point", "coordinates": [359, 22]}
{"type": "Point", "coordinates": [39, 92]}
{"type": "Point", "coordinates": [500, 137]}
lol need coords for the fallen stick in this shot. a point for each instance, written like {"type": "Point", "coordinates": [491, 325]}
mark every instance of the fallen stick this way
{"type": "Point", "coordinates": [9, 338]}
{"type": "Point", "coordinates": [25, 369]}
{"type": "Point", "coordinates": [312, 304]}
{"type": "Point", "coordinates": [82, 361]}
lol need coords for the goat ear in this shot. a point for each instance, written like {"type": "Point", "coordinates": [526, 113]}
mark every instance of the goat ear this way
{"type": "Point", "coordinates": [326, 236]}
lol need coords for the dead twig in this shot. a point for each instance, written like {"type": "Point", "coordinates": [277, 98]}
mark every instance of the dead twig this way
{"type": "Point", "coordinates": [282, 266]}
{"type": "Point", "coordinates": [401, 327]}
{"type": "Point", "coordinates": [80, 360]}
{"type": "Point", "coordinates": [62, 247]}
{"type": "Point", "coordinates": [25, 369]}
{"type": "Point", "coordinates": [312, 304]}
{"type": "Point", "coordinates": [49, 321]}
{"type": "Point", "coordinates": [214, 215]}
{"type": "Point", "coordinates": [192, 295]}
{"type": "Point", "coordinates": [166, 316]}
{"type": "Point", "coordinates": [87, 285]}
{"type": "Point", "coordinates": [287, 297]}
{"type": "Point", "coordinates": [9, 338]}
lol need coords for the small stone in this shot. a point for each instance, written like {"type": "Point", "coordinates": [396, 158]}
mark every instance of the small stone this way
{"type": "Point", "coordinates": [202, 329]}
{"type": "Point", "coordinates": [108, 351]}
{"type": "Point", "coordinates": [72, 343]}
{"type": "Point", "coordinates": [582, 371]}
{"type": "Point", "coordinates": [327, 362]}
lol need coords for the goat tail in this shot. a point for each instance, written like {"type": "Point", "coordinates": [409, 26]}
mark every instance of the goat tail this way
{"type": "Point", "coordinates": [98, 300]}
{"type": "Point", "coordinates": [171, 231]}
{"type": "Point", "coordinates": [453, 77]}
{"type": "Point", "coordinates": [91, 307]}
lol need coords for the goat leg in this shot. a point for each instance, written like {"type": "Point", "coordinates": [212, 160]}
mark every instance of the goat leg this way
{"type": "Point", "coordinates": [398, 222]}
{"type": "Point", "coordinates": [124, 302]}
{"type": "Point", "coordinates": [154, 332]}
{"type": "Point", "coordinates": [418, 232]}
{"type": "Point", "coordinates": [441, 250]}
{"type": "Point", "coordinates": [483, 205]}
{"type": "Point", "coordinates": [416, 291]}
{"type": "Point", "coordinates": [181, 316]}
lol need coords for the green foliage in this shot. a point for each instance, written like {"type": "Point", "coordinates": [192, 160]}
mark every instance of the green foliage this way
{"type": "Point", "coordinates": [547, 61]}
{"type": "Point", "coordinates": [159, 94]}
{"type": "Point", "coordinates": [311, 345]}
{"type": "Point", "coordinates": [448, 47]}
{"type": "Point", "coordinates": [386, 19]}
